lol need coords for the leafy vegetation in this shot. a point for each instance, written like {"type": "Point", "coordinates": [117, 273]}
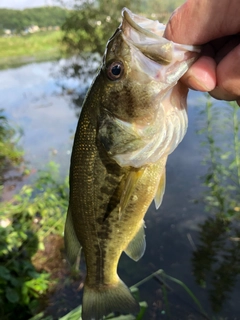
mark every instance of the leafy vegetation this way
{"type": "Point", "coordinates": [216, 262]}
{"type": "Point", "coordinates": [10, 154]}
{"type": "Point", "coordinates": [18, 20]}
{"type": "Point", "coordinates": [91, 24]}
{"type": "Point", "coordinates": [222, 159]}
{"type": "Point", "coordinates": [25, 222]}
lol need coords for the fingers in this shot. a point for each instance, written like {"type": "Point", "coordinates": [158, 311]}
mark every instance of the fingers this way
{"type": "Point", "coordinates": [221, 94]}
{"type": "Point", "coordinates": [218, 73]}
{"type": "Point", "coordinates": [228, 77]}
{"type": "Point", "coordinates": [177, 28]}
{"type": "Point", "coordinates": [217, 70]}
{"type": "Point", "coordinates": [202, 75]}
{"type": "Point", "coordinates": [200, 21]}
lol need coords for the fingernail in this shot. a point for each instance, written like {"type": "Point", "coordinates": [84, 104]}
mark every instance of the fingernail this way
{"type": "Point", "coordinates": [199, 85]}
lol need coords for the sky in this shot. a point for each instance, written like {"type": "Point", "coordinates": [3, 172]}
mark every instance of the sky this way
{"type": "Point", "coordinates": [22, 4]}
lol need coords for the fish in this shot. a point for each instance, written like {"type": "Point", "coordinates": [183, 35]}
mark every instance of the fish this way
{"type": "Point", "coordinates": [134, 115]}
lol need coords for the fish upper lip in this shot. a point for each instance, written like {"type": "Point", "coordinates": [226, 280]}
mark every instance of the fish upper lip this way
{"type": "Point", "coordinates": [147, 36]}
{"type": "Point", "coordinates": [147, 27]}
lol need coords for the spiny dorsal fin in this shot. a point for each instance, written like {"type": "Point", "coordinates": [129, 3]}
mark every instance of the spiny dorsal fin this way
{"type": "Point", "coordinates": [160, 190]}
{"type": "Point", "coordinates": [137, 246]}
{"type": "Point", "coordinates": [72, 244]}
{"type": "Point", "coordinates": [128, 189]}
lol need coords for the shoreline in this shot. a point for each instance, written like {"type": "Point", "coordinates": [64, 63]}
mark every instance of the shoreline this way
{"type": "Point", "coordinates": [19, 50]}
{"type": "Point", "coordinates": [15, 62]}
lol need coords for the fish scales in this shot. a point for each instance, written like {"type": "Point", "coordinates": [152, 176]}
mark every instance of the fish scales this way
{"type": "Point", "coordinates": [102, 194]}
{"type": "Point", "coordinates": [133, 117]}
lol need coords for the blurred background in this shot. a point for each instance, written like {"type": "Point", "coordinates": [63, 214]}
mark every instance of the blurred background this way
{"type": "Point", "coordinates": [49, 54]}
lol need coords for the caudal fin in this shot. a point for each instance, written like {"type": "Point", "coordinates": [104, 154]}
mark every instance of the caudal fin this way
{"type": "Point", "coordinates": [103, 300]}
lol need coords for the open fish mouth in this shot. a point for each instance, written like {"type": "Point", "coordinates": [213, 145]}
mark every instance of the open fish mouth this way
{"type": "Point", "coordinates": [154, 64]}
{"type": "Point", "coordinates": [147, 36]}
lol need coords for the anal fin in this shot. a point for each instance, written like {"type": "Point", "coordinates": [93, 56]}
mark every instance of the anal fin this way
{"type": "Point", "coordinates": [160, 190]}
{"type": "Point", "coordinates": [137, 246]}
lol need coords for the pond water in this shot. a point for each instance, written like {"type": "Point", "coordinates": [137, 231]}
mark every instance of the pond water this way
{"type": "Point", "coordinates": [32, 99]}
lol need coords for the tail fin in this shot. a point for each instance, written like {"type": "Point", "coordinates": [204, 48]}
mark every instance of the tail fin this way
{"type": "Point", "coordinates": [103, 300]}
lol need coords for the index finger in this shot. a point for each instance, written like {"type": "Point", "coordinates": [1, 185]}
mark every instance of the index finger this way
{"type": "Point", "coordinates": [197, 22]}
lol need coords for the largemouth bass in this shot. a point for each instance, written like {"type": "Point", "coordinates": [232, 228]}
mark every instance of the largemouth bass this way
{"type": "Point", "coordinates": [133, 117]}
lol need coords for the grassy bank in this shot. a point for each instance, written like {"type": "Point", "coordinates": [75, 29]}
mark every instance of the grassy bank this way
{"type": "Point", "coordinates": [40, 46]}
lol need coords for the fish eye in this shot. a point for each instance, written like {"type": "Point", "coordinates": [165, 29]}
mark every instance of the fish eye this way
{"type": "Point", "coordinates": [115, 70]}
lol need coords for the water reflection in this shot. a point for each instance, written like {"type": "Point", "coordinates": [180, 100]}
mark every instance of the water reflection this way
{"type": "Point", "coordinates": [216, 261]}
{"type": "Point", "coordinates": [33, 101]}
{"type": "Point", "coordinates": [82, 72]}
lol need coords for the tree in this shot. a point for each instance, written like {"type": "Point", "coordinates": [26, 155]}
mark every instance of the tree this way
{"type": "Point", "coordinates": [91, 24]}
{"type": "Point", "coordinates": [43, 17]}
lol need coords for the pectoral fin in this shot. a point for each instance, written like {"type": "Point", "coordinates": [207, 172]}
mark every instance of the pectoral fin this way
{"type": "Point", "coordinates": [128, 188]}
{"type": "Point", "coordinates": [72, 245]}
{"type": "Point", "coordinates": [137, 246]}
{"type": "Point", "coordinates": [160, 190]}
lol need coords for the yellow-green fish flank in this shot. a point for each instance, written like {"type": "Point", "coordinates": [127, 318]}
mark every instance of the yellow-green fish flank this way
{"type": "Point", "coordinates": [133, 117]}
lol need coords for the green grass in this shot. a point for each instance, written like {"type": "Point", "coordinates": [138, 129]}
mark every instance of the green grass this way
{"type": "Point", "coordinates": [41, 45]}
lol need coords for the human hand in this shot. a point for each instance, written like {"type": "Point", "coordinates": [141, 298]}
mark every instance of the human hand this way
{"type": "Point", "coordinates": [216, 26]}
